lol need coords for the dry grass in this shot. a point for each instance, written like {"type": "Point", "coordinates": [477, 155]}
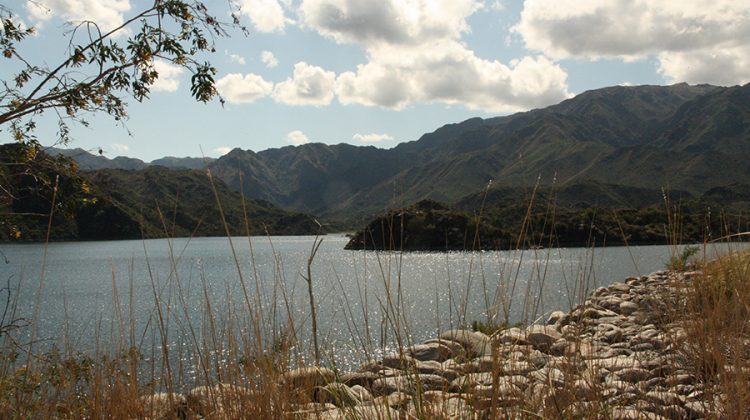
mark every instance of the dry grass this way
{"type": "Point", "coordinates": [716, 316]}
{"type": "Point", "coordinates": [240, 357]}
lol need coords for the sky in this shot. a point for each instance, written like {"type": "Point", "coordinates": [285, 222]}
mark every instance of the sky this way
{"type": "Point", "coordinates": [379, 73]}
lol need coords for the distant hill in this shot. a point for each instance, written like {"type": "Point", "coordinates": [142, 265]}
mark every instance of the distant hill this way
{"type": "Point", "coordinates": [183, 200]}
{"type": "Point", "coordinates": [631, 141]}
{"type": "Point", "coordinates": [620, 146]}
{"type": "Point", "coordinates": [584, 194]}
{"type": "Point", "coordinates": [185, 163]}
{"type": "Point", "coordinates": [130, 204]}
{"type": "Point", "coordinates": [88, 161]}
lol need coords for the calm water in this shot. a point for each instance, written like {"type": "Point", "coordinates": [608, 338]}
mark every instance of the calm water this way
{"type": "Point", "coordinates": [101, 295]}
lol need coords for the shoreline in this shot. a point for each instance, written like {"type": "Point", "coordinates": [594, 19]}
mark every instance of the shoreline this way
{"type": "Point", "coordinates": [617, 355]}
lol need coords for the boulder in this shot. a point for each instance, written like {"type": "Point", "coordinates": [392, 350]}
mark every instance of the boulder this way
{"type": "Point", "coordinates": [663, 398]}
{"type": "Point", "coordinates": [398, 361]}
{"type": "Point", "coordinates": [337, 394]}
{"type": "Point", "coordinates": [396, 400]}
{"type": "Point", "coordinates": [551, 376]}
{"type": "Point", "coordinates": [362, 393]}
{"type": "Point", "coordinates": [558, 317]}
{"type": "Point", "coordinates": [619, 287]}
{"type": "Point", "coordinates": [477, 343]}
{"type": "Point", "coordinates": [515, 367]}
{"type": "Point", "coordinates": [436, 351]}
{"type": "Point", "coordinates": [541, 337]}
{"type": "Point", "coordinates": [457, 350]}
{"type": "Point", "coordinates": [503, 390]}
{"type": "Point", "coordinates": [362, 378]}
{"type": "Point", "coordinates": [627, 307]}
{"type": "Point", "coordinates": [610, 302]}
{"type": "Point", "coordinates": [409, 383]}
{"type": "Point", "coordinates": [308, 377]}
{"type": "Point", "coordinates": [595, 313]}
{"type": "Point", "coordinates": [428, 367]}
{"type": "Point", "coordinates": [634, 374]}
{"type": "Point", "coordinates": [616, 363]}
{"type": "Point", "coordinates": [386, 386]}
{"type": "Point", "coordinates": [472, 380]}
{"type": "Point", "coordinates": [431, 382]}
{"type": "Point", "coordinates": [511, 336]}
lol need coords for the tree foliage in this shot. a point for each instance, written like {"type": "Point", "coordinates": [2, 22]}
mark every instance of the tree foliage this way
{"type": "Point", "coordinates": [429, 226]}
{"type": "Point", "coordinates": [99, 71]}
{"type": "Point", "coordinates": [104, 67]}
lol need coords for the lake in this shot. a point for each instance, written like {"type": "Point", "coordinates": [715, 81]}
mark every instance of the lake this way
{"type": "Point", "coordinates": [100, 296]}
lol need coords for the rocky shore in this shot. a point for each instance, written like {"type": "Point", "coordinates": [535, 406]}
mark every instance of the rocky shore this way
{"type": "Point", "coordinates": [616, 356]}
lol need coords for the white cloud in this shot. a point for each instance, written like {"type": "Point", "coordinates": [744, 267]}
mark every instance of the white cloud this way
{"type": "Point", "coordinates": [236, 88]}
{"type": "Point", "coordinates": [168, 76]}
{"type": "Point", "coordinates": [372, 138]}
{"type": "Point", "coordinates": [415, 54]}
{"type": "Point", "coordinates": [297, 138]}
{"type": "Point", "coordinates": [689, 38]}
{"type": "Point", "coordinates": [269, 59]}
{"type": "Point", "coordinates": [223, 150]}
{"type": "Point", "coordinates": [388, 21]}
{"type": "Point", "coordinates": [235, 58]}
{"type": "Point", "coordinates": [721, 66]}
{"type": "Point", "coordinates": [265, 15]}
{"type": "Point", "coordinates": [309, 85]}
{"type": "Point", "coordinates": [108, 14]}
{"type": "Point", "coordinates": [451, 73]}
{"type": "Point", "coordinates": [119, 147]}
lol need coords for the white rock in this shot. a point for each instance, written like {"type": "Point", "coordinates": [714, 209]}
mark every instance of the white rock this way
{"type": "Point", "coordinates": [550, 376]}
{"type": "Point", "coordinates": [477, 342]}
{"type": "Point", "coordinates": [542, 336]}
{"type": "Point", "coordinates": [627, 307]}
{"type": "Point", "coordinates": [431, 351]}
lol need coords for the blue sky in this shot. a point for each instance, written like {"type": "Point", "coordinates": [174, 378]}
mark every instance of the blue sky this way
{"type": "Point", "coordinates": [382, 72]}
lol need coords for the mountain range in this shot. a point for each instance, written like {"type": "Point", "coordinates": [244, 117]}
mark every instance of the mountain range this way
{"type": "Point", "coordinates": [622, 144]}
{"type": "Point", "coordinates": [152, 202]}
{"type": "Point", "coordinates": [680, 137]}
{"type": "Point", "coordinates": [88, 161]}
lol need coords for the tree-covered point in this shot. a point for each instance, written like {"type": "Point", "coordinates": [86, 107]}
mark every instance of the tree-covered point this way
{"type": "Point", "coordinates": [429, 225]}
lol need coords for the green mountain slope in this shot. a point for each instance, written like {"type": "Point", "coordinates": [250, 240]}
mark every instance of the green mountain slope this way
{"type": "Point", "coordinates": [680, 137]}
{"type": "Point", "coordinates": [125, 204]}
{"type": "Point", "coordinates": [89, 161]}
{"type": "Point", "coordinates": [645, 138]}
{"type": "Point", "coordinates": [182, 203]}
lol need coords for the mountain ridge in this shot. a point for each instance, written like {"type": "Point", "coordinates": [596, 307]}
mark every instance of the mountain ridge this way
{"type": "Point", "coordinates": [112, 203]}
{"type": "Point", "coordinates": [88, 161]}
{"type": "Point", "coordinates": [690, 138]}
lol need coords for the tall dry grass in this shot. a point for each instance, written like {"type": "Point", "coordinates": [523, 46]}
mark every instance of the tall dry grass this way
{"type": "Point", "coordinates": [230, 363]}
{"type": "Point", "coordinates": [716, 316]}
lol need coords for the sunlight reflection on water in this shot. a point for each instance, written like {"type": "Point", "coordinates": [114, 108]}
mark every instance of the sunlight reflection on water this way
{"type": "Point", "coordinates": [87, 288]}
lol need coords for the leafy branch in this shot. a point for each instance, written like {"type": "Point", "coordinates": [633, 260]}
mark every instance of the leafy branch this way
{"type": "Point", "coordinates": [100, 71]}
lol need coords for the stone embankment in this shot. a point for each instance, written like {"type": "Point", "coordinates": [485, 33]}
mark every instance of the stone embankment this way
{"type": "Point", "coordinates": [615, 356]}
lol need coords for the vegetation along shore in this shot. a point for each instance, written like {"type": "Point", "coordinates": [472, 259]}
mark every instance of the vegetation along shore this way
{"type": "Point", "coordinates": [665, 345]}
